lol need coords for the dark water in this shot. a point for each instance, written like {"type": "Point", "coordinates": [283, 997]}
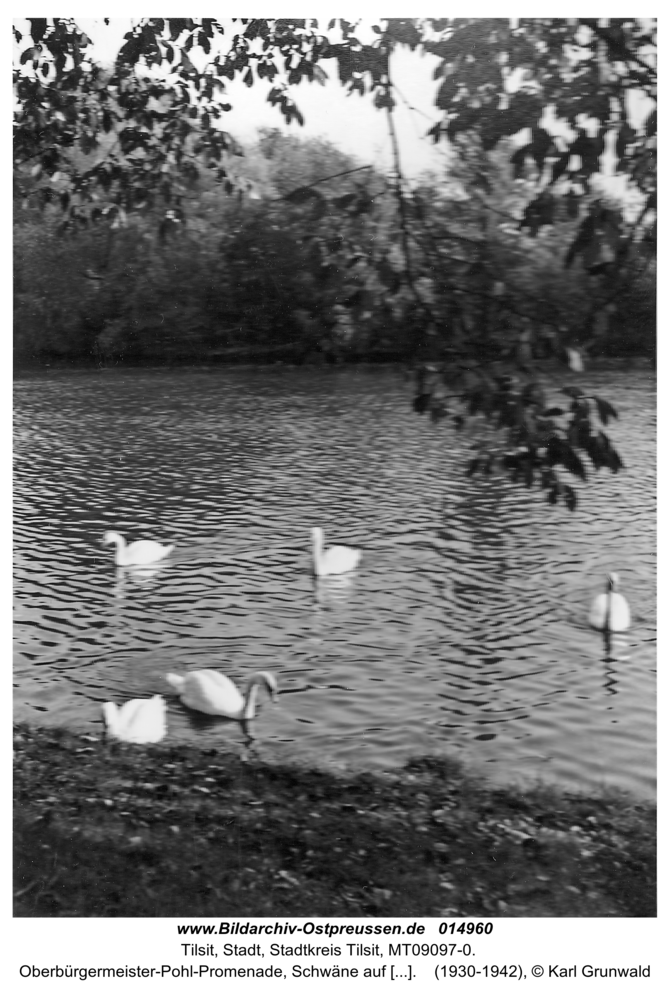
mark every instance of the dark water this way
{"type": "Point", "coordinates": [464, 630]}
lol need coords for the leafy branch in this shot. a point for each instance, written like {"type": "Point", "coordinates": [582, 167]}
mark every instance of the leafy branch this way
{"type": "Point", "coordinates": [530, 442]}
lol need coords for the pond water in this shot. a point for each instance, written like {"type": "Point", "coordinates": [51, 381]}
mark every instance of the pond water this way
{"type": "Point", "coordinates": [463, 632]}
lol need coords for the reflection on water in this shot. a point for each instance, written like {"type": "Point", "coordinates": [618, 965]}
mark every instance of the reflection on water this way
{"type": "Point", "coordinates": [464, 629]}
{"type": "Point", "coordinates": [139, 576]}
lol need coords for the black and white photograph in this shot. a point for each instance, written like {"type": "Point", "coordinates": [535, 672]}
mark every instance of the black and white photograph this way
{"type": "Point", "coordinates": [335, 478]}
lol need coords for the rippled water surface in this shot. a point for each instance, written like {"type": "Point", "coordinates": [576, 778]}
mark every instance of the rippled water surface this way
{"type": "Point", "coordinates": [464, 630]}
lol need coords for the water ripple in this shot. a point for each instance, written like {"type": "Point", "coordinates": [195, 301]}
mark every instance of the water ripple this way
{"type": "Point", "coordinates": [464, 630]}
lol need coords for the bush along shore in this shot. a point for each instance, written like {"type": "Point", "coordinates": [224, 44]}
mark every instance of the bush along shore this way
{"type": "Point", "coordinates": [110, 830]}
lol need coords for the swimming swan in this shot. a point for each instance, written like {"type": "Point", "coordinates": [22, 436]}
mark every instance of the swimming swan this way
{"type": "Point", "coordinates": [141, 720]}
{"type": "Point", "coordinates": [136, 554]}
{"type": "Point", "coordinates": [338, 559]}
{"type": "Point", "coordinates": [610, 611]}
{"type": "Point", "coordinates": [210, 692]}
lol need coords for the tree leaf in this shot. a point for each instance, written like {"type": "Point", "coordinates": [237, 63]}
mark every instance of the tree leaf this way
{"type": "Point", "coordinates": [438, 410]}
{"type": "Point", "coordinates": [528, 474]}
{"type": "Point", "coordinates": [605, 409]}
{"type": "Point", "coordinates": [421, 402]}
{"type": "Point", "coordinates": [186, 63]}
{"type": "Point", "coordinates": [570, 497]}
{"type": "Point", "coordinates": [559, 167]}
{"type": "Point", "coordinates": [38, 28]}
{"type": "Point", "coordinates": [29, 54]}
{"type": "Point", "coordinates": [572, 462]}
{"type": "Point", "coordinates": [303, 194]}
{"type": "Point", "coordinates": [177, 25]}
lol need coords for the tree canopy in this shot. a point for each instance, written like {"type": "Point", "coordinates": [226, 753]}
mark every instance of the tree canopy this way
{"type": "Point", "coordinates": [495, 78]}
{"type": "Point", "coordinates": [555, 102]}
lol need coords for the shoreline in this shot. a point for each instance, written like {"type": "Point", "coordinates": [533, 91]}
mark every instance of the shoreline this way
{"type": "Point", "coordinates": [108, 829]}
{"type": "Point", "coordinates": [271, 359]}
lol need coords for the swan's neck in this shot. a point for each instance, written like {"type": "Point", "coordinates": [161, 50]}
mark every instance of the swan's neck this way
{"type": "Point", "coordinates": [112, 718]}
{"type": "Point", "coordinates": [317, 548]}
{"type": "Point", "coordinates": [249, 708]}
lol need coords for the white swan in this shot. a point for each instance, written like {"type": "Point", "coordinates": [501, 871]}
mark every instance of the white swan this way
{"type": "Point", "coordinates": [338, 559]}
{"type": "Point", "coordinates": [574, 359]}
{"type": "Point", "coordinates": [610, 611]}
{"type": "Point", "coordinates": [136, 554]}
{"type": "Point", "coordinates": [210, 692]}
{"type": "Point", "coordinates": [141, 720]}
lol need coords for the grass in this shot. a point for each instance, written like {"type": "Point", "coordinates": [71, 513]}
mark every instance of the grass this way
{"type": "Point", "coordinates": [112, 830]}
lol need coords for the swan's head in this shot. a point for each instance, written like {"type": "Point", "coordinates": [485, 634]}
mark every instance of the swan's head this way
{"type": "Point", "coordinates": [111, 538]}
{"type": "Point", "coordinates": [317, 534]}
{"type": "Point", "coordinates": [613, 580]}
{"type": "Point", "coordinates": [270, 682]}
{"type": "Point", "coordinates": [261, 679]}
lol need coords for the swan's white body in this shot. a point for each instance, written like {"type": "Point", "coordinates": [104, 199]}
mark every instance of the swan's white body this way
{"type": "Point", "coordinates": [338, 559]}
{"type": "Point", "coordinates": [141, 720]}
{"type": "Point", "coordinates": [610, 611]}
{"type": "Point", "coordinates": [210, 692]}
{"type": "Point", "coordinates": [137, 553]}
{"type": "Point", "coordinates": [574, 359]}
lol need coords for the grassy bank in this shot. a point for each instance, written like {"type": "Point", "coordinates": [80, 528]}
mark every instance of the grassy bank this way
{"type": "Point", "coordinates": [110, 830]}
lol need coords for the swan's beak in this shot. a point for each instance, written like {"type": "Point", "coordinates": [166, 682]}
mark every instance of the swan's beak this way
{"type": "Point", "coordinates": [272, 686]}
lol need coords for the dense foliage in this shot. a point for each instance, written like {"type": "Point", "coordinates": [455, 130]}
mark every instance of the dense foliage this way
{"type": "Point", "coordinates": [496, 78]}
{"type": "Point", "coordinates": [144, 232]}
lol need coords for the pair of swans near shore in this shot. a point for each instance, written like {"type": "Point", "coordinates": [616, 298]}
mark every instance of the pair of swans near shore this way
{"type": "Point", "coordinates": [142, 720]}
